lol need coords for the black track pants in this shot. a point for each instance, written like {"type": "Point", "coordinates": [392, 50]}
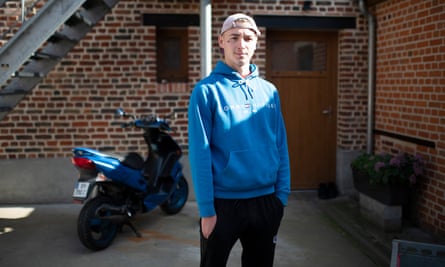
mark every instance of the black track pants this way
{"type": "Point", "coordinates": [254, 222]}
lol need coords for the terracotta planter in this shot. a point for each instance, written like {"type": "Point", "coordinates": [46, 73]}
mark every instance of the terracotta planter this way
{"type": "Point", "coordinates": [391, 195]}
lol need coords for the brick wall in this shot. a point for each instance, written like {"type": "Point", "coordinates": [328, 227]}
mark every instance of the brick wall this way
{"type": "Point", "coordinates": [114, 66]}
{"type": "Point", "coordinates": [410, 95]}
{"type": "Point", "coordinates": [352, 87]}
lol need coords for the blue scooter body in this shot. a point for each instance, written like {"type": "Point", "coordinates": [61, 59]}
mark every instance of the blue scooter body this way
{"type": "Point", "coordinates": [112, 168]}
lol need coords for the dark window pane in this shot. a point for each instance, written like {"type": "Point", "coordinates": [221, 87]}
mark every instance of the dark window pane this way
{"type": "Point", "coordinates": [298, 56]}
{"type": "Point", "coordinates": [172, 55]}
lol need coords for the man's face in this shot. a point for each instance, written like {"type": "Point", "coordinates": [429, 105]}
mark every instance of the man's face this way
{"type": "Point", "coordinates": [239, 45]}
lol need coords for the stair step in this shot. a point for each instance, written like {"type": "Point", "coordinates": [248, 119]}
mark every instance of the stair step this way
{"type": "Point", "coordinates": [12, 92]}
{"type": "Point", "coordinates": [78, 18]}
{"type": "Point", "coordinates": [24, 74]}
{"type": "Point", "coordinates": [5, 109]}
{"type": "Point", "coordinates": [42, 55]}
{"type": "Point", "coordinates": [92, 3]}
{"type": "Point", "coordinates": [57, 37]}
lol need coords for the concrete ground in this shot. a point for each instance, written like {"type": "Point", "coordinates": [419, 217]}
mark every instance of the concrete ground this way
{"type": "Point", "coordinates": [45, 235]}
{"type": "Point", "coordinates": [373, 240]}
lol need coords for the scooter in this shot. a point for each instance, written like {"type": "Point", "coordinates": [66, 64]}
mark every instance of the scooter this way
{"type": "Point", "coordinates": [115, 188]}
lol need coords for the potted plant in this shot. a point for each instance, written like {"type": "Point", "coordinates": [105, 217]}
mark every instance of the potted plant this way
{"type": "Point", "coordinates": [385, 177]}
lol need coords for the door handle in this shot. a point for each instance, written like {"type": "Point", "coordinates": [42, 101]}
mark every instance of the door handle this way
{"type": "Point", "coordinates": [327, 111]}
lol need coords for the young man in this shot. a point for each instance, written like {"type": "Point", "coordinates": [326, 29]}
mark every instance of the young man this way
{"type": "Point", "coordinates": [238, 153]}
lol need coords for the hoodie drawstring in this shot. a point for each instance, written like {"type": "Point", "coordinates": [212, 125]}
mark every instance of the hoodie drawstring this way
{"type": "Point", "coordinates": [240, 84]}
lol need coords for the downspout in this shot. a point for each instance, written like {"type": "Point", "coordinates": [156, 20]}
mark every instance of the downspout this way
{"type": "Point", "coordinates": [371, 75]}
{"type": "Point", "coordinates": [206, 37]}
{"type": "Point", "coordinates": [23, 11]}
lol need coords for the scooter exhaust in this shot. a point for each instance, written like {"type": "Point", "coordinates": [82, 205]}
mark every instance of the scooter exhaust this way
{"type": "Point", "coordinates": [116, 214]}
{"type": "Point", "coordinates": [117, 219]}
{"type": "Point", "coordinates": [122, 217]}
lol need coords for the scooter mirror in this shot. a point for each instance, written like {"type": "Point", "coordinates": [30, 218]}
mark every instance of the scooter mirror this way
{"type": "Point", "coordinates": [120, 112]}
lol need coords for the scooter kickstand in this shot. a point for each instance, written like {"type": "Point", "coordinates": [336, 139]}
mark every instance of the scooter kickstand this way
{"type": "Point", "coordinates": [136, 232]}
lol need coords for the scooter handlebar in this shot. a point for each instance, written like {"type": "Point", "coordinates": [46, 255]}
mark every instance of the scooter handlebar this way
{"type": "Point", "coordinates": [150, 121]}
{"type": "Point", "coordinates": [127, 124]}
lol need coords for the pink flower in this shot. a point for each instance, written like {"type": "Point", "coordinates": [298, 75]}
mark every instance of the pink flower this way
{"type": "Point", "coordinates": [378, 166]}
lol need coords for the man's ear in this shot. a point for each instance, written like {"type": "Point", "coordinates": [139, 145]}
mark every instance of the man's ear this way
{"type": "Point", "coordinates": [220, 41]}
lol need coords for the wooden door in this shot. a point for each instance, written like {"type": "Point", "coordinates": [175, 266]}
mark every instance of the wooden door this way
{"type": "Point", "coordinates": [303, 67]}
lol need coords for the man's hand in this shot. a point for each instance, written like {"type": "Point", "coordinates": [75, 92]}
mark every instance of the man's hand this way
{"type": "Point", "coordinates": [208, 225]}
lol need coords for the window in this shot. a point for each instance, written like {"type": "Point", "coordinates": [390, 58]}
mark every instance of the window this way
{"type": "Point", "coordinates": [172, 54]}
{"type": "Point", "coordinates": [300, 56]}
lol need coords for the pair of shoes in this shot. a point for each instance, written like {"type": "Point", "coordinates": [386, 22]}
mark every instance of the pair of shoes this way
{"type": "Point", "coordinates": [327, 190]}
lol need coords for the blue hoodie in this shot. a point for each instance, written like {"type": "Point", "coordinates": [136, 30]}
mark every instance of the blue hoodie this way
{"type": "Point", "coordinates": [237, 139]}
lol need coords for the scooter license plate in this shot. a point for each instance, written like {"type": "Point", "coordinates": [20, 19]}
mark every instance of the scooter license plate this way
{"type": "Point", "coordinates": [81, 189]}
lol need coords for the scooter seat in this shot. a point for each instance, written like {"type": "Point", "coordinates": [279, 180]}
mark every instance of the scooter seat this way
{"type": "Point", "coordinates": [133, 160]}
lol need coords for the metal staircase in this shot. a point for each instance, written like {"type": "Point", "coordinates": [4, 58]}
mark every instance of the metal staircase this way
{"type": "Point", "coordinates": [41, 42]}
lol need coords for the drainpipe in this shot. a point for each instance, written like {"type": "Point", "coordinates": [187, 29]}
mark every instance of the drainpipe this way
{"type": "Point", "coordinates": [371, 75]}
{"type": "Point", "coordinates": [206, 37]}
{"type": "Point", "coordinates": [23, 11]}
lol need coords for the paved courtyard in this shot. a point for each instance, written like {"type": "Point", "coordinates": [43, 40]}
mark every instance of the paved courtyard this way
{"type": "Point", "coordinates": [45, 235]}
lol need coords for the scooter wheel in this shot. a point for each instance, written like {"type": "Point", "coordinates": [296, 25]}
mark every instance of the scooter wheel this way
{"type": "Point", "coordinates": [94, 232]}
{"type": "Point", "coordinates": [177, 199]}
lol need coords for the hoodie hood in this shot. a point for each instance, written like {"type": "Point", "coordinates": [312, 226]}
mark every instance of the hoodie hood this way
{"type": "Point", "coordinates": [224, 69]}
{"type": "Point", "coordinates": [238, 81]}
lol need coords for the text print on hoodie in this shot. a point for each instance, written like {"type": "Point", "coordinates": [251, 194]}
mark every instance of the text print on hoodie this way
{"type": "Point", "coordinates": [237, 139]}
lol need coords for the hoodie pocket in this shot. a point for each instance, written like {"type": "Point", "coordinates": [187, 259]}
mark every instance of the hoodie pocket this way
{"type": "Point", "coordinates": [250, 169]}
